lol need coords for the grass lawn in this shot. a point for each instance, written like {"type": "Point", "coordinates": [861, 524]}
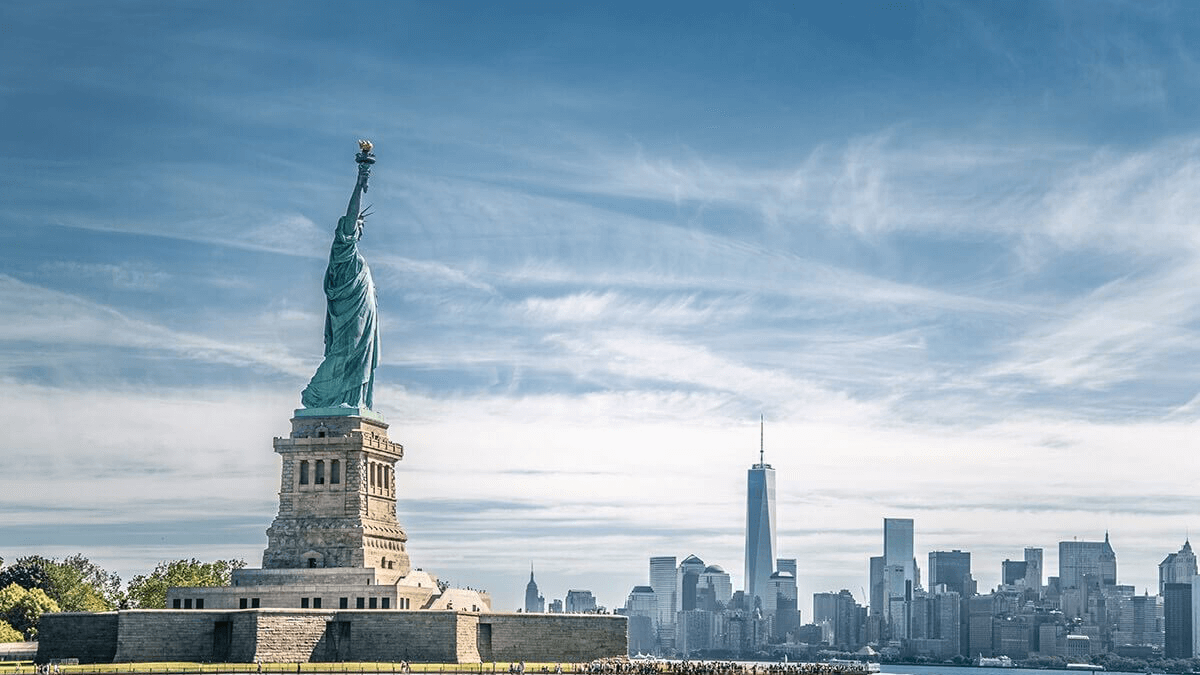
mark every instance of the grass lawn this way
{"type": "Point", "coordinates": [186, 667]}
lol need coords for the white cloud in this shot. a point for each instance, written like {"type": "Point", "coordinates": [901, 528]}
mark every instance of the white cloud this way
{"type": "Point", "coordinates": [50, 317]}
{"type": "Point", "coordinates": [1142, 201]}
{"type": "Point", "coordinates": [399, 272]}
{"type": "Point", "coordinates": [611, 308]}
{"type": "Point", "coordinates": [125, 276]}
{"type": "Point", "coordinates": [1125, 330]}
{"type": "Point", "coordinates": [291, 234]}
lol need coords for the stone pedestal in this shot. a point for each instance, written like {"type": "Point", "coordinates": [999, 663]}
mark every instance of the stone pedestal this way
{"type": "Point", "coordinates": [337, 496]}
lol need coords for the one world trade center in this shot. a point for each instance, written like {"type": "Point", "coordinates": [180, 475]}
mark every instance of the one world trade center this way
{"type": "Point", "coordinates": [760, 528]}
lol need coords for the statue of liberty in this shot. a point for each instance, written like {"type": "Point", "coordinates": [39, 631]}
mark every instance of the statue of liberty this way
{"type": "Point", "coordinates": [346, 378]}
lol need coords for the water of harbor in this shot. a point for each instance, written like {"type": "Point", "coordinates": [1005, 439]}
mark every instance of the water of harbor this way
{"type": "Point", "coordinates": [893, 669]}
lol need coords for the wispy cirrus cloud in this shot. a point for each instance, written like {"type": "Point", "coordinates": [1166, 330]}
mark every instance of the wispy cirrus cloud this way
{"type": "Point", "coordinates": [52, 317]}
{"type": "Point", "coordinates": [1140, 200]}
{"type": "Point", "coordinates": [1127, 329]}
{"type": "Point", "coordinates": [119, 276]}
{"type": "Point", "coordinates": [614, 308]}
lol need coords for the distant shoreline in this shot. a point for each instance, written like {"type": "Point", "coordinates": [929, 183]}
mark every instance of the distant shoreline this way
{"type": "Point", "coordinates": [905, 664]}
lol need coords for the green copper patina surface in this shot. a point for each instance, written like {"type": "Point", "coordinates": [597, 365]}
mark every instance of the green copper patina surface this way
{"type": "Point", "coordinates": [340, 412]}
{"type": "Point", "coordinates": [346, 378]}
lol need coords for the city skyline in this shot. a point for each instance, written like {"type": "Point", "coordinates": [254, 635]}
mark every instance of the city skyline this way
{"type": "Point", "coordinates": [949, 250]}
{"type": "Point", "coordinates": [992, 579]}
{"type": "Point", "coordinates": [1083, 612]}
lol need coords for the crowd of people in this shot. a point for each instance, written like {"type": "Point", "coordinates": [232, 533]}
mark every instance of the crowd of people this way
{"type": "Point", "coordinates": [625, 667]}
{"type": "Point", "coordinates": [620, 667]}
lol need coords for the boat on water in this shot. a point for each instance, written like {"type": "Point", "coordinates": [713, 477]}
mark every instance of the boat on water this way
{"type": "Point", "coordinates": [994, 662]}
{"type": "Point", "coordinates": [1084, 666]}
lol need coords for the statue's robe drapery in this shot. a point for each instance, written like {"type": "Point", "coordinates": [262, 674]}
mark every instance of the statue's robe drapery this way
{"type": "Point", "coordinates": [346, 378]}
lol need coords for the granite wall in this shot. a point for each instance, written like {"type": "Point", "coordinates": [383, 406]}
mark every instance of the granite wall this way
{"type": "Point", "coordinates": [551, 638]}
{"type": "Point", "coordinates": [91, 638]}
{"type": "Point", "coordinates": [303, 635]}
{"type": "Point", "coordinates": [432, 637]}
{"type": "Point", "coordinates": [287, 636]}
{"type": "Point", "coordinates": [168, 635]}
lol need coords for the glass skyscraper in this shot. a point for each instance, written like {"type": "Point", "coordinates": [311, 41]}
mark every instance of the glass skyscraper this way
{"type": "Point", "coordinates": [953, 569]}
{"type": "Point", "coordinates": [898, 545]}
{"type": "Point", "coordinates": [760, 530]}
{"type": "Point", "coordinates": [1033, 567]}
{"type": "Point", "coordinates": [899, 574]}
{"type": "Point", "coordinates": [716, 580]}
{"type": "Point", "coordinates": [1177, 621]}
{"type": "Point", "coordinates": [662, 581]}
{"type": "Point", "coordinates": [686, 581]}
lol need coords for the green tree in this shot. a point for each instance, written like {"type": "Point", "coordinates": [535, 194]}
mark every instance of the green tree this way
{"type": "Point", "coordinates": [150, 591]}
{"type": "Point", "coordinates": [27, 572]}
{"type": "Point", "coordinates": [22, 608]}
{"type": "Point", "coordinates": [79, 585]}
{"type": "Point", "coordinates": [75, 583]}
{"type": "Point", "coordinates": [10, 634]}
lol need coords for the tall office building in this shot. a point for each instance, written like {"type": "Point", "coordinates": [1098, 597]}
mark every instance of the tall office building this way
{"type": "Point", "coordinates": [1033, 567]}
{"type": "Point", "coordinates": [1139, 621]}
{"type": "Point", "coordinates": [840, 618]}
{"type": "Point", "coordinates": [534, 602]}
{"type": "Point", "coordinates": [899, 574]}
{"type": "Point", "coordinates": [760, 528]}
{"type": "Point", "coordinates": [687, 577]}
{"type": "Point", "coordinates": [580, 602]}
{"type": "Point", "coordinates": [875, 602]}
{"type": "Point", "coordinates": [898, 550]}
{"type": "Point", "coordinates": [952, 569]}
{"type": "Point", "coordinates": [946, 622]}
{"type": "Point", "coordinates": [694, 632]}
{"type": "Point", "coordinates": [786, 565]}
{"type": "Point", "coordinates": [662, 581]}
{"type": "Point", "coordinates": [1177, 568]}
{"type": "Point", "coordinates": [1177, 620]}
{"type": "Point", "coordinates": [980, 610]}
{"type": "Point", "coordinates": [640, 602]}
{"type": "Point", "coordinates": [715, 582]}
{"type": "Point", "coordinates": [898, 545]}
{"type": "Point", "coordinates": [1195, 617]}
{"type": "Point", "coordinates": [1012, 572]}
{"type": "Point", "coordinates": [1079, 561]}
{"type": "Point", "coordinates": [935, 624]}
{"type": "Point", "coordinates": [642, 611]}
{"type": "Point", "coordinates": [781, 591]}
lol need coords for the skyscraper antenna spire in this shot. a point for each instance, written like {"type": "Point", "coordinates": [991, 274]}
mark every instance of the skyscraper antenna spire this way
{"type": "Point", "coordinates": [761, 424]}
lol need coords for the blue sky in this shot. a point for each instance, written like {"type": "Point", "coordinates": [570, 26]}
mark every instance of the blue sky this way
{"type": "Point", "coordinates": [950, 251]}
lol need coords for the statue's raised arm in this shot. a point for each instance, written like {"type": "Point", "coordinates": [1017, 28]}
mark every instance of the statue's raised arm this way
{"type": "Point", "coordinates": [365, 159]}
{"type": "Point", "coordinates": [346, 377]}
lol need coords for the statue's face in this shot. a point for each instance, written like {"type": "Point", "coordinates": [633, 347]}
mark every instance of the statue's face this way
{"type": "Point", "coordinates": [358, 228]}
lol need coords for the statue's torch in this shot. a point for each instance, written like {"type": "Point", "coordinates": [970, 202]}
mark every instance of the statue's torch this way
{"type": "Point", "coordinates": [365, 159]}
